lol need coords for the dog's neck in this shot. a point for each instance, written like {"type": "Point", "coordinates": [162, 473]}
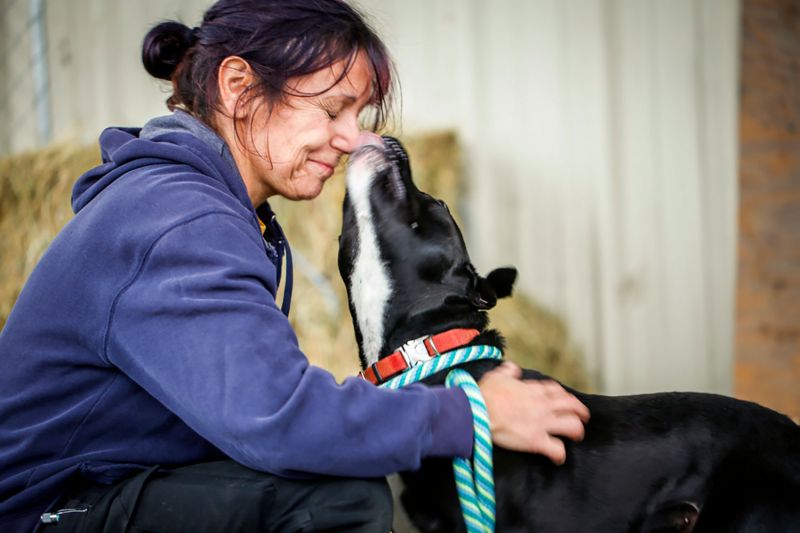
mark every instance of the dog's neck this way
{"type": "Point", "coordinates": [401, 329]}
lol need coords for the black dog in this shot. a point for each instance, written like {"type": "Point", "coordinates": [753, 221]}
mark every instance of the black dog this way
{"type": "Point", "coordinates": [649, 463]}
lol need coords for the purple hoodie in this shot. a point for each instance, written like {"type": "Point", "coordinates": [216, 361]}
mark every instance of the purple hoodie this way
{"type": "Point", "coordinates": [149, 334]}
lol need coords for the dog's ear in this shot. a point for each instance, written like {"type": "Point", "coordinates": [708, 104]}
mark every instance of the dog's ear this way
{"type": "Point", "coordinates": [497, 284]}
{"type": "Point", "coordinates": [502, 281]}
{"type": "Point", "coordinates": [483, 296]}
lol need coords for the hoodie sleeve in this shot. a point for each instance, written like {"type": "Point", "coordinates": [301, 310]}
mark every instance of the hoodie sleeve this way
{"type": "Point", "coordinates": [198, 328]}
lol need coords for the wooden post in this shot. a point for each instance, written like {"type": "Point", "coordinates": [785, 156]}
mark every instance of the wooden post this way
{"type": "Point", "coordinates": [768, 306]}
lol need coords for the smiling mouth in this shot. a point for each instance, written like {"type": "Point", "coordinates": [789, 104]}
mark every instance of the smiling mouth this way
{"type": "Point", "coordinates": [327, 170]}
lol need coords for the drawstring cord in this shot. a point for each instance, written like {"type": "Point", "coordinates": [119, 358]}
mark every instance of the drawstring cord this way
{"type": "Point", "coordinates": [273, 233]}
{"type": "Point", "coordinates": [53, 518]}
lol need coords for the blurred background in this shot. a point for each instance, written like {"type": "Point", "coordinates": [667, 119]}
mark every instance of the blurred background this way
{"type": "Point", "coordinates": [637, 160]}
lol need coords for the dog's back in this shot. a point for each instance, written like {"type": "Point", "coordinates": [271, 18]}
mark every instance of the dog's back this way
{"type": "Point", "coordinates": [667, 462]}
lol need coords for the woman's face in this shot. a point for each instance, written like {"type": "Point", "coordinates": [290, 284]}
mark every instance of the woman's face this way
{"type": "Point", "coordinates": [294, 150]}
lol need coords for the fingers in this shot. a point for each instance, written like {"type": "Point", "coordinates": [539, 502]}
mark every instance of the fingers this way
{"type": "Point", "coordinates": [551, 389]}
{"type": "Point", "coordinates": [560, 400]}
{"type": "Point", "coordinates": [531, 415]}
{"type": "Point", "coordinates": [509, 369]}
{"type": "Point", "coordinates": [553, 449]}
{"type": "Point", "coordinates": [569, 426]}
{"type": "Point", "coordinates": [582, 411]}
{"type": "Point", "coordinates": [570, 405]}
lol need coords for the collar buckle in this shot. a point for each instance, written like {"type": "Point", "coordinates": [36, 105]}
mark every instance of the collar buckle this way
{"type": "Point", "coordinates": [415, 351]}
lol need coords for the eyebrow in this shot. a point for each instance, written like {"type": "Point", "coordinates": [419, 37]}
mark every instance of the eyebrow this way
{"type": "Point", "coordinates": [349, 97]}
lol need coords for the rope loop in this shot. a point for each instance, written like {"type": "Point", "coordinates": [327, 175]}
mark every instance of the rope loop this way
{"type": "Point", "coordinates": [474, 479]}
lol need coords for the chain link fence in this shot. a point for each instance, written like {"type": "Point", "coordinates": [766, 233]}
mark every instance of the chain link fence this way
{"type": "Point", "coordinates": [25, 104]}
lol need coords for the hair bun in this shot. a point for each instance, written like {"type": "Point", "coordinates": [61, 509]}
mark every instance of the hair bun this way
{"type": "Point", "coordinates": [163, 48]}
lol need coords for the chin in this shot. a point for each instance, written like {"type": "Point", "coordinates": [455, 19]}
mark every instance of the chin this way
{"type": "Point", "coordinates": [307, 193]}
{"type": "Point", "coordinates": [305, 187]}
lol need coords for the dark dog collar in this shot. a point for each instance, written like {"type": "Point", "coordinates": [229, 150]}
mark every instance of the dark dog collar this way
{"type": "Point", "coordinates": [417, 351]}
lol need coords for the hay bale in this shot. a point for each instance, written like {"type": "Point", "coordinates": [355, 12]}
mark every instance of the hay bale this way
{"type": "Point", "coordinates": [35, 190]}
{"type": "Point", "coordinates": [35, 193]}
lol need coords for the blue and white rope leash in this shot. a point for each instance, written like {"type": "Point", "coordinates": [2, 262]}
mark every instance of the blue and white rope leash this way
{"type": "Point", "coordinates": [474, 481]}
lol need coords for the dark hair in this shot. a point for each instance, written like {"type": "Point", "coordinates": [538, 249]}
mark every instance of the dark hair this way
{"type": "Point", "coordinates": [280, 39]}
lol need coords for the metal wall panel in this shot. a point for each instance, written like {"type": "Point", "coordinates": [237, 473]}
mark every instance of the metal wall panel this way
{"type": "Point", "coordinates": [599, 142]}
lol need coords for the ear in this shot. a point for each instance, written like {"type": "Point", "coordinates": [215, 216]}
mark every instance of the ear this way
{"type": "Point", "coordinates": [483, 296]}
{"type": "Point", "coordinates": [234, 77]}
{"type": "Point", "coordinates": [501, 280]}
{"type": "Point", "coordinates": [497, 284]}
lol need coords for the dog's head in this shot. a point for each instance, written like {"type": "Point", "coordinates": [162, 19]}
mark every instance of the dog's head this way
{"type": "Point", "coordinates": [403, 258]}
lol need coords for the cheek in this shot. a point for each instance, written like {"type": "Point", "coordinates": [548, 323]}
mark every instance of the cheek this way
{"type": "Point", "coordinates": [315, 133]}
{"type": "Point", "coordinates": [278, 157]}
{"type": "Point", "coordinates": [290, 138]}
{"type": "Point", "coordinates": [294, 149]}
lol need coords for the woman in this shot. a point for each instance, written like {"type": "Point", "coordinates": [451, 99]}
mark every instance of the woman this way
{"type": "Point", "coordinates": [151, 380]}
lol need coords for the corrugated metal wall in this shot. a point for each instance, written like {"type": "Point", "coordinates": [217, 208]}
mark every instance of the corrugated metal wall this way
{"type": "Point", "coordinates": [600, 147]}
{"type": "Point", "coordinates": [600, 140]}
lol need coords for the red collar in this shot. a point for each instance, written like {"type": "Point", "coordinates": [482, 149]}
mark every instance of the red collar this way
{"type": "Point", "coordinates": [416, 351]}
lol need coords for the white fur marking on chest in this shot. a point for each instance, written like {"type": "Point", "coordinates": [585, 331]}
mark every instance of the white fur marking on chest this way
{"type": "Point", "coordinates": [370, 286]}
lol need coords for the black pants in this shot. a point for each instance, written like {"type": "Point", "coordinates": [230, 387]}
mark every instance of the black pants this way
{"type": "Point", "coordinates": [226, 497]}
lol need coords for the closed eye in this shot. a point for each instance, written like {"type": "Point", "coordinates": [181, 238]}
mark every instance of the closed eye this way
{"type": "Point", "coordinates": [333, 106]}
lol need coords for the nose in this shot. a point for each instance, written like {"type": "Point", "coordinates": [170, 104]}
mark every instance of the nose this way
{"type": "Point", "coordinates": [348, 136]}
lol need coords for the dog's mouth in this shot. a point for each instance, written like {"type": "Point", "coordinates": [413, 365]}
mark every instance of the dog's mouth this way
{"type": "Point", "coordinates": [398, 158]}
{"type": "Point", "coordinates": [385, 145]}
{"type": "Point", "coordinates": [385, 161]}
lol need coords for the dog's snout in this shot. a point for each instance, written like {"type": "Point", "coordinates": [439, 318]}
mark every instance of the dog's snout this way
{"type": "Point", "coordinates": [367, 138]}
{"type": "Point", "coordinates": [369, 145]}
{"type": "Point", "coordinates": [395, 150]}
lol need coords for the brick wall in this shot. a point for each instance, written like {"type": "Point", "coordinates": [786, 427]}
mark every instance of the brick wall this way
{"type": "Point", "coordinates": [768, 293]}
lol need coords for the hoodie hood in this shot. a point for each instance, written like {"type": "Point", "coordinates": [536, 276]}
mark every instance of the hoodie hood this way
{"type": "Point", "coordinates": [178, 138]}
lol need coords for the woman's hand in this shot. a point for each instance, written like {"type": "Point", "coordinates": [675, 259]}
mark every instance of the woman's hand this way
{"type": "Point", "coordinates": [527, 416]}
